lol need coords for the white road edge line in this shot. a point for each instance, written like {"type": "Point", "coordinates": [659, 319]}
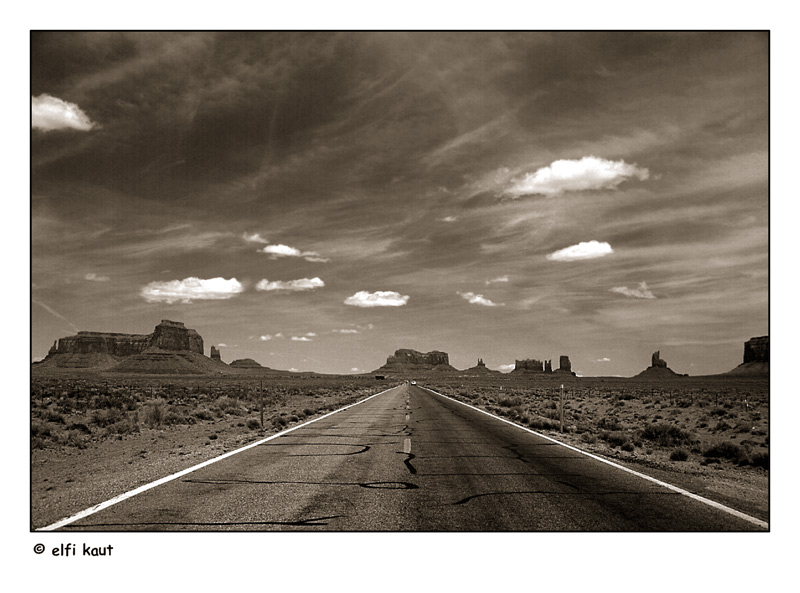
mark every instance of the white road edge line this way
{"type": "Point", "coordinates": [112, 501]}
{"type": "Point", "coordinates": [692, 495]}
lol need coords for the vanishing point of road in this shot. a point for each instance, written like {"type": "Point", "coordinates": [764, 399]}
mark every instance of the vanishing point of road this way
{"type": "Point", "coordinates": [409, 459]}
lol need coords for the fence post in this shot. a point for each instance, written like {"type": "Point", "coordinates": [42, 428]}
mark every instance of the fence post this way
{"type": "Point", "coordinates": [261, 398]}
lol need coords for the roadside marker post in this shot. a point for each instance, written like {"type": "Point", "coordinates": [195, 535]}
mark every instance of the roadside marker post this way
{"type": "Point", "coordinates": [261, 398]}
{"type": "Point", "coordinates": [561, 410]}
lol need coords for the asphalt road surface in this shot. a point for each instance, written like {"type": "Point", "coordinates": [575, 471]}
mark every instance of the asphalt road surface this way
{"type": "Point", "coordinates": [410, 460]}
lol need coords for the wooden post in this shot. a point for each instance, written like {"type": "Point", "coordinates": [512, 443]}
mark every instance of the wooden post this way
{"type": "Point", "coordinates": [561, 412]}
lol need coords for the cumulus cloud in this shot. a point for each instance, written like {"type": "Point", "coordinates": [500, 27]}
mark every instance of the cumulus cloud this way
{"type": "Point", "coordinates": [478, 299]}
{"type": "Point", "coordinates": [379, 298]}
{"type": "Point", "coordinates": [498, 279]}
{"type": "Point", "coordinates": [637, 293]}
{"type": "Point", "coordinates": [507, 367]}
{"type": "Point", "coordinates": [51, 113]}
{"type": "Point", "coordinates": [588, 173]}
{"type": "Point", "coordinates": [346, 331]}
{"type": "Point", "coordinates": [268, 337]}
{"type": "Point", "coordinates": [301, 339]}
{"type": "Point", "coordinates": [448, 219]}
{"type": "Point", "coordinates": [604, 359]}
{"type": "Point", "coordinates": [254, 238]}
{"type": "Point", "coordinates": [292, 285]}
{"type": "Point", "coordinates": [95, 278]}
{"type": "Point", "coordinates": [280, 250]}
{"type": "Point", "coordinates": [191, 289]}
{"type": "Point", "coordinates": [583, 250]}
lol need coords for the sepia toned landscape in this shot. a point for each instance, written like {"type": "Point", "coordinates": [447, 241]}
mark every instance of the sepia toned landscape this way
{"type": "Point", "coordinates": [99, 432]}
{"type": "Point", "coordinates": [400, 281]}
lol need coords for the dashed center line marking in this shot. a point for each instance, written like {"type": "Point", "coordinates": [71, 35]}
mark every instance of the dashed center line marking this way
{"type": "Point", "coordinates": [407, 446]}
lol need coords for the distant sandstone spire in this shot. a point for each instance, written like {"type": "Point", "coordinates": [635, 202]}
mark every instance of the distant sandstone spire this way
{"type": "Point", "coordinates": [656, 361]}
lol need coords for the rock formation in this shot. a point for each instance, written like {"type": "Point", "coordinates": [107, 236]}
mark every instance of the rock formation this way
{"type": "Point", "coordinates": [246, 363]}
{"type": "Point", "coordinates": [756, 350]}
{"type": "Point", "coordinates": [480, 370]}
{"type": "Point", "coordinates": [215, 354]}
{"type": "Point", "coordinates": [756, 358]}
{"type": "Point", "coordinates": [658, 368]}
{"type": "Point", "coordinates": [533, 365]}
{"type": "Point", "coordinates": [167, 335]}
{"type": "Point", "coordinates": [656, 361]}
{"type": "Point", "coordinates": [411, 361]}
{"type": "Point", "coordinates": [171, 348]}
{"type": "Point", "coordinates": [529, 364]}
{"type": "Point", "coordinates": [564, 365]}
{"type": "Point", "coordinates": [173, 335]}
{"type": "Point", "coordinates": [101, 343]}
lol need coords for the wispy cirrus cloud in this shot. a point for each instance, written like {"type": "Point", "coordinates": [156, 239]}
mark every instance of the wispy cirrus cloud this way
{"type": "Point", "coordinates": [191, 289]}
{"type": "Point", "coordinates": [95, 278]}
{"type": "Point", "coordinates": [637, 293]}
{"type": "Point", "coordinates": [379, 298]}
{"type": "Point", "coordinates": [51, 113]}
{"type": "Point", "coordinates": [499, 279]}
{"type": "Point", "coordinates": [280, 250]}
{"type": "Point", "coordinates": [478, 299]}
{"type": "Point", "coordinates": [291, 285]}
{"type": "Point", "coordinates": [583, 250]}
{"type": "Point", "coordinates": [585, 174]}
{"type": "Point", "coordinates": [56, 314]}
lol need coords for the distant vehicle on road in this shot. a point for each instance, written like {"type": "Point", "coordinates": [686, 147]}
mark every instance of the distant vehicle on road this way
{"type": "Point", "coordinates": [413, 382]}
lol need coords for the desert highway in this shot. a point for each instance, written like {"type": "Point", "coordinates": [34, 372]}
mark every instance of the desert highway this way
{"type": "Point", "coordinates": [409, 459]}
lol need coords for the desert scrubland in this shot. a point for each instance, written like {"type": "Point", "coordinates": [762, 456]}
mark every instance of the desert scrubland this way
{"type": "Point", "coordinates": [95, 436]}
{"type": "Point", "coordinates": [708, 435]}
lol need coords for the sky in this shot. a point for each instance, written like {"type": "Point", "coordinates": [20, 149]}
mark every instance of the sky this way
{"type": "Point", "coordinates": [316, 200]}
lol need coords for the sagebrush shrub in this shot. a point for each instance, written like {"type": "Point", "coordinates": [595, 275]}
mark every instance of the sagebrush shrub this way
{"type": "Point", "coordinates": [615, 438]}
{"type": "Point", "coordinates": [153, 413]}
{"type": "Point", "coordinates": [665, 434]}
{"type": "Point", "coordinates": [761, 460]}
{"type": "Point", "coordinates": [726, 450]}
{"type": "Point", "coordinates": [679, 455]}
